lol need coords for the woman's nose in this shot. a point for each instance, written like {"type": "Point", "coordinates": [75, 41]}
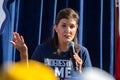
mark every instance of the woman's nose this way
{"type": "Point", "coordinates": [68, 29]}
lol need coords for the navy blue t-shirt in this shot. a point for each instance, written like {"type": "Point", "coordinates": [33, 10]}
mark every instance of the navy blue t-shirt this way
{"type": "Point", "coordinates": [61, 63]}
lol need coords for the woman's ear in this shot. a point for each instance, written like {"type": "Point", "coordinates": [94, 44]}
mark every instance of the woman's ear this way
{"type": "Point", "coordinates": [55, 27]}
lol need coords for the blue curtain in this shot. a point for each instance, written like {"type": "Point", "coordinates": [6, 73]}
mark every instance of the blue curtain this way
{"type": "Point", "coordinates": [34, 20]}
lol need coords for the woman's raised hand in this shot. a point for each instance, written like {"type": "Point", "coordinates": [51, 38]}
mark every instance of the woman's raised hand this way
{"type": "Point", "coordinates": [18, 43]}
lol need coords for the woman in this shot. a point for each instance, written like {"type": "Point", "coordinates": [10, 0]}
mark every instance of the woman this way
{"type": "Point", "coordinates": [55, 52]}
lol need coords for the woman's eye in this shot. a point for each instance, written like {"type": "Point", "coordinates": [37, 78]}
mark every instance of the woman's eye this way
{"type": "Point", "coordinates": [72, 27]}
{"type": "Point", "coordinates": [64, 26]}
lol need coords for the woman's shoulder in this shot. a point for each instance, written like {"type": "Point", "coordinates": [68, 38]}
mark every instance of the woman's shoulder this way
{"type": "Point", "coordinates": [83, 49]}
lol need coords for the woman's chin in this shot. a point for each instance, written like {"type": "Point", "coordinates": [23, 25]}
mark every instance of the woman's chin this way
{"type": "Point", "coordinates": [67, 40]}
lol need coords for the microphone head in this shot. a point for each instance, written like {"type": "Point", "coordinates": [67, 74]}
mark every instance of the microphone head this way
{"type": "Point", "coordinates": [71, 44]}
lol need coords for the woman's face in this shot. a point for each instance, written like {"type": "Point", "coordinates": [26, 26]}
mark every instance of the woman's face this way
{"type": "Point", "coordinates": [66, 30]}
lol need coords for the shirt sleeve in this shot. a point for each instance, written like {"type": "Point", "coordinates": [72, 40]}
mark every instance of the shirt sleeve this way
{"type": "Point", "coordinates": [37, 55]}
{"type": "Point", "coordinates": [84, 55]}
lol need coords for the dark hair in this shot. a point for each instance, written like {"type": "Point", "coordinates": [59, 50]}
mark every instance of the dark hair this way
{"type": "Point", "coordinates": [66, 13]}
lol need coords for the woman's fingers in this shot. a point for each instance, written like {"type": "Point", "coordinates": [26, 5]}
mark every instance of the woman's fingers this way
{"type": "Point", "coordinates": [12, 42]}
{"type": "Point", "coordinates": [78, 59]}
{"type": "Point", "coordinates": [18, 41]}
{"type": "Point", "coordinates": [17, 37]}
{"type": "Point", "coordinates": [22, 38]}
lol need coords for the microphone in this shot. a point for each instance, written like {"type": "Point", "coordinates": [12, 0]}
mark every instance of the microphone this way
{"type": "Point", "coordinates": [72, 52]}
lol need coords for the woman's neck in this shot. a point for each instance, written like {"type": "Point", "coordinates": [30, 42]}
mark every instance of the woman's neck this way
{"type": "Point", "coordinates": [63, 47]}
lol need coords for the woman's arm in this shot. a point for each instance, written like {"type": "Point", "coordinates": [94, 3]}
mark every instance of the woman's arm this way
{"type": "Point", "coordinates": [18, 43]}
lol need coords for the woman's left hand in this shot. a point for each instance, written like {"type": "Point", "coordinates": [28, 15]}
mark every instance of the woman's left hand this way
{"type": "Point", "coordinates": [79, 61]}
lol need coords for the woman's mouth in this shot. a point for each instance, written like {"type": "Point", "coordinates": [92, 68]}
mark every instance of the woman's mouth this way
{"type": "Point", "coordinates": [67, 36]}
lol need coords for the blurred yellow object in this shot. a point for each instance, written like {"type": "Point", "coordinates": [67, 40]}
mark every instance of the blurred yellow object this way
{"type": "Point", "coordinates": [33, 71]}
